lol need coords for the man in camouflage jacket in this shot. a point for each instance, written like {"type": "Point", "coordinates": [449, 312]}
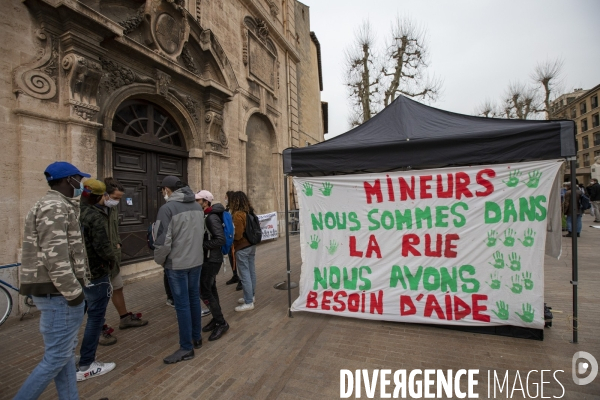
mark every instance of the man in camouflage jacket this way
{"type": "Point", "coordinates": [54, 270]}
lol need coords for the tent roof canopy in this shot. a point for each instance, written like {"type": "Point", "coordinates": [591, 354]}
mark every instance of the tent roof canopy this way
{"type": "Point", "coordinates": [408, 134]}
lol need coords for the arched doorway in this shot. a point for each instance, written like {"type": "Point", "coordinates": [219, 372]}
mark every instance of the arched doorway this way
{"type": "Point", "coordinates": [259, 171]}
{"type": "Point", "coordinates": [149, 146]}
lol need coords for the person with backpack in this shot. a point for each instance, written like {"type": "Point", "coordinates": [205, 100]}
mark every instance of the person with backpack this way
{"type": "Point", "coordinates": [214, 240]}
{"type": "Point", "coordinates": [567, 211]}
{"type": "Point", "coordinates": [244, 221]}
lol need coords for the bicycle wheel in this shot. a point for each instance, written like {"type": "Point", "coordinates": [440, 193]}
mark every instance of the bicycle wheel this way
{"type": "Point", "coordinates": [5, 304]}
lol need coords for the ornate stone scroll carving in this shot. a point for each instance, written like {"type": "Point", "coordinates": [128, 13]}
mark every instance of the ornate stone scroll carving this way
{"type": "Point", "coordinates": [82, 80]}
{"type": "Point", "coordinates": [163, 81]}
{"type": "Point", "coordinates": [273, 7]}
{"type": "Point", "coordinates": [244, 44]}
{"type": "Point", "coordinates": [198, 10]}
{"type": "Point", "coordinates": [216, 139]}
{"type": "Point", "coordinates": [167, 28]}
{"type": "Point", "coordinates": [38, 78]}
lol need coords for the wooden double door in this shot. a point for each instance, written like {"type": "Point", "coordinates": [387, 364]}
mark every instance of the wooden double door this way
{"type": "Point", "coordinates": [141, 172]}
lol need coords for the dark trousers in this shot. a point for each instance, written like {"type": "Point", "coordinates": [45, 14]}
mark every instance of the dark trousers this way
{"type": "Point", "coordinates": [167, 287]}
{"type": "Point", "coordinates": [208, 290]}
{"type": "Point", "coordinates": [97, 296]}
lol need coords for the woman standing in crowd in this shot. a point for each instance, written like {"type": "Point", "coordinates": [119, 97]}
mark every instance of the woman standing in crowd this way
{"type": "Point", "coordinates": [240, 206]}
{"type": "Point", "coordinates": [235, 278]}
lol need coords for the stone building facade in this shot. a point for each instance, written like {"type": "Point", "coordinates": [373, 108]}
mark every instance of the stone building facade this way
{"type": "Point", "coordinates": [582, 107]}
{"type": "Point", "coordinates": [209, 90]}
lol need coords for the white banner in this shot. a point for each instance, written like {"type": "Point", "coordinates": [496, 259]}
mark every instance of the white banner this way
{"type": "Point", "coordinates": [456, 246]}
{"type": "Point", "coordinates": [268, 225]}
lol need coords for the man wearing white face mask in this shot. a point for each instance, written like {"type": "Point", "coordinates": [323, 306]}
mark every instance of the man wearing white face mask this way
{"type": "Point", "coordinates": [111, 199]}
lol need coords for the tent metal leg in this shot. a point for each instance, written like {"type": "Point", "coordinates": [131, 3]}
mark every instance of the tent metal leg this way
{"type": "Point", "coordinates": [287, 244]}
{"type": "Point", "coordinates": [573, 213]}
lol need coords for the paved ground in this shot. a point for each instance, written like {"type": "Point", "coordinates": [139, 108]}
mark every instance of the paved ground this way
{"type": "Point", "coordinates": [267, 355]}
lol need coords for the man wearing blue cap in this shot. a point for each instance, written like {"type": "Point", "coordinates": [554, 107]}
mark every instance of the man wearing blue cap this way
{"type": "Point", "coordinates": [54, 271]}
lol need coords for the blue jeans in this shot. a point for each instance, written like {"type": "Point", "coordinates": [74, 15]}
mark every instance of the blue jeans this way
{"type": "Point", "coordinates": [185, 286]}
{"type": "Point", "coordinates": [247, 271]}
{"type": "Point", "coordinates": [59, 325]}
{"type": "Point", "coordinates": [97, 295]}
{"type": "Point", "coordinates": [570, 223]}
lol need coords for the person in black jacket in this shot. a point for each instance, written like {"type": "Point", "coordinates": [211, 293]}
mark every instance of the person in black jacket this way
{"type": "Point", "coordinates": [214, 238]}
{"type": "Point", "coordinates": [594, 192]}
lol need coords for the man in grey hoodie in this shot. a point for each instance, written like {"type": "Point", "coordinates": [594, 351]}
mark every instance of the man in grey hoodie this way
{"type": "Point", "coordinates": [179, 231]}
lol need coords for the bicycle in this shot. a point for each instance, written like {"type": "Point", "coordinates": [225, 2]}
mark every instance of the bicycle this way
{"type": "Point", "coordinates": [6, 301]}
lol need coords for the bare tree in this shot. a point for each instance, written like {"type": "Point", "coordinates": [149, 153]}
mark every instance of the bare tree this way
{"type": "Point", "coordinates": [487, 109]}
{"type": "Point", "coordinates": [405, 64]}
{"type": "Point", "coordinates": [362, 77]}
{"type": "Point", "coordinates": [522, 101]}
{"type": "Point", "coordinates": [547, 74]}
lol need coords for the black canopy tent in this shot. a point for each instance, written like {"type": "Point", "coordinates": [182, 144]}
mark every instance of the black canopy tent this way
{"type": "Point", "coordinates": [411, 135]}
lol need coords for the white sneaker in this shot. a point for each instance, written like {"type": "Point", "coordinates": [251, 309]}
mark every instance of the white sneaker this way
{"type": "Point", "coordinates": [242, 301]}
{"type": "Point", "coordinates": [94, 370]}
{"type": "Point", "coordinates": [245, 307]}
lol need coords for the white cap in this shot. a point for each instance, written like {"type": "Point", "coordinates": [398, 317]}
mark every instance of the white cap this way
{"type": "Point", "coordinates": [205, 195]}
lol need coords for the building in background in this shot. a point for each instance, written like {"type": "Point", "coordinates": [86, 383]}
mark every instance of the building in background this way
{"type": "Point", "coordinates": [581, 106]}
{"type": "Point", "coordinates": [210, 91]}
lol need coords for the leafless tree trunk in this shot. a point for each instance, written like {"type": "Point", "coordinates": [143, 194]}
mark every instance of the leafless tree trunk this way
{"type": "Point", "coordinates": [362, 77]}
{"type": "Point", "coordinates": [547, 74]}
{"type": "Point", "coordinates": [405, 64]}
{"type": "Point", "coordinates": [487, 109]}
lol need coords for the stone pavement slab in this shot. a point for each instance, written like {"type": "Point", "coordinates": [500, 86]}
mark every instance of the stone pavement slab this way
{"type": "Point", "coordinates": [266, 355]}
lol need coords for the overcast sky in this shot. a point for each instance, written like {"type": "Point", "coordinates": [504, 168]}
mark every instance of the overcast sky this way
{"type": "Point", "coordinates": [477, 47]}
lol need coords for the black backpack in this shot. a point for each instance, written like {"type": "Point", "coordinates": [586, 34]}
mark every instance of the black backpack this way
{"type": "Point", "coordinates": [253, 231]}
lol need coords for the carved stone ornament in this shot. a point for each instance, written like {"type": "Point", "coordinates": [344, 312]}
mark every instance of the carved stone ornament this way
{"type": "Point", "coordinates": [82, 80]}
{"type": "Point", "coordinates": [191, 105]}
{"type": "Point", "coordinates": [38, 78]}
{"type": "Point", "coordinates": [131, 23]}
{"type": "Point", "coordinates": [273, 7]}
{"type": "Point", "coordinates": [116, 76]}
{"type": "Point", "coordinates": [167, 28]}
{"type": "Point", "coordinates": [163, 81]}
{"type": "Point", "coordinates": [198, 11]}
{"type": "Point", "coordinates": [188, 60]}
{"type": "Point", "coordinates": [216, 139]}
{"type": "Point", "coordinates": [244, 44]}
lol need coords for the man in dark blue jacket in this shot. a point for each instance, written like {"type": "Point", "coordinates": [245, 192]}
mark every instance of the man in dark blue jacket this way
{"type": "Point", "coordinates": [214, 238]}
{"type": "Point", "coordinates": [178, 232]}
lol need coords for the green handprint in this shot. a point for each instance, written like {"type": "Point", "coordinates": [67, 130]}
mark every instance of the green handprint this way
{"type": "Point", "coordinates": [516, 287]}
{"type": "Point", "coordinates": [498, 260]}
{"type": "Point", "coordinates": [495, 277]}
{"type": "Point", "coordinates": [513, 178]}
{"type": "Point", "coordinates": [528, 313]}
{"type": "Point", "coordinates": [527, 280]}
{"type": "Point", "coordinates": [528, 238]}
{"type": "Point", "coordinates": [509, 237]}
{"type": "Point", "coordinates": [534, 179]}
{"type": "Point", "coordinates": [502, 310]}
{"type": "Point", "coordinates": [326, 190]}
{"type": "Point", "coordinates": [491, 240]}
{"type": "Point", "coordinates": [314, 242]}
{"type": "Point", "coordinates": [515, 261]}
{"type": "Point", "coordinates": [333, 246]}
{"type": "Point", "coordinates": [308, 189]}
